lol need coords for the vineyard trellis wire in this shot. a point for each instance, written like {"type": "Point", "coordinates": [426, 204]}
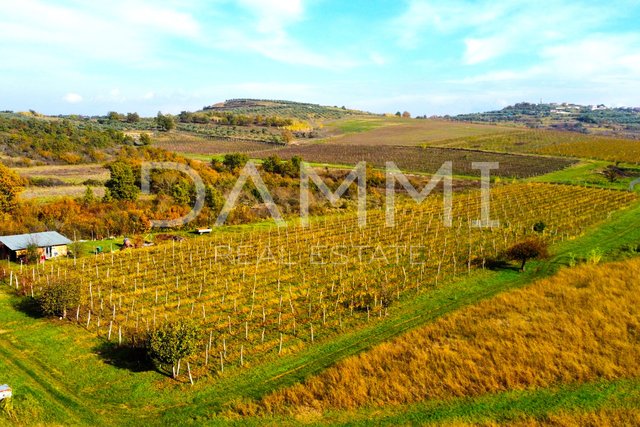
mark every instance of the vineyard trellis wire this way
{"type": "Point", "coordinates": [263, 294]}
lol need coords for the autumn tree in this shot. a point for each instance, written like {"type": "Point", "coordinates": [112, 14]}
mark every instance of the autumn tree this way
{"type": "Point", "coordinates": [287, 136]}
{"type": "Point", "coordinates": [122, 184]}
{"type": "Point", "coordinates": [527, 250]}
{"type": "Point", "coordinates": [10, 187]}
{"type": "Point", "coordinates": [406, 115]}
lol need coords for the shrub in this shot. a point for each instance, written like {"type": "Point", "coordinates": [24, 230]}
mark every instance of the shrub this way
{"type": "Point", "coordinates": [528, 249]}
{"type": "Point", "coordinates": [539, 227]}
{"type": "Point", "coordinates": [172, 342]}
{"type": "Point", "coordinates": [58, 297]}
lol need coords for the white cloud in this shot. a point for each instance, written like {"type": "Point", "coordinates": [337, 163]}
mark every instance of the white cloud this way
{"type": "Point", "coordinates": [481, 50]}
{"type": "Point", "coordinates": [118, 31]}
{"type": "Point", "coordinates": [377, 58]}
{"type": "Point", "coordinates": [492, 29]}
{"type": "Point", "coordinates": [426, 16]}
{"type": "Point", "coordinates": [72, 98]}
{"type": "Point", "coordinates": [274, 15]}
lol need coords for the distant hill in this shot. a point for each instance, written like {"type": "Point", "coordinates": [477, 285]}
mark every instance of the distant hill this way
{"type": "Point", "coordinates": [582, 118]}
{"type": "Point", "coordinates": [296, 110]}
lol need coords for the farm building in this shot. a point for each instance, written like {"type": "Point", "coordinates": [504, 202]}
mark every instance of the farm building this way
{"type": "Point", "coordinates": [50, 244]}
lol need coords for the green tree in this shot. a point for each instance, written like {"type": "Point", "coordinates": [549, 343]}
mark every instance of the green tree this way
{"type": "Point", "coordinates": [173, 342]}
{"type": "Point", "coordinates": [122, 184]}
{"type": "Point", "coordinates": [214, 199]}
{"type": "Point", "coordinates": [32, 253]}
{"type": "Point", "coordinates": [272, 164]}
{"type": "Point", "coordinates": [145, 139]}
{"type": "Point", "coordinates": [233, 161]}
{"type": "Point", "coordinates": [165, 122]}
{"type": "Point", "coordinates": [529, 249]}
{"type": "Point", "coordinates": [89, 197]}
{"type": "Point", "coordinates": [539, 227]}
{"type": "Point", "coordinates": [181, 192]}
{"type": "Point", "coordinates": [59, 296]}
{"type": "Point", "coordinates": [10, 187]}
{"type": "Point", "coordinates": [133, 118]}
{"type": "Point", "coordinates": [114, 116]}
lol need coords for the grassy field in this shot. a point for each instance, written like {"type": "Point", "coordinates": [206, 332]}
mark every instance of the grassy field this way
{"type": "Point", "coordinates": [45, 194]}
{"type": "Point", "coordinates": [62, 375]}
{"type": "Point", "coordinates": [590, 173]}
{"type": "Point", "coordinates": [69, 174]}
{"type": "Point", "coordinates": [578, 326]}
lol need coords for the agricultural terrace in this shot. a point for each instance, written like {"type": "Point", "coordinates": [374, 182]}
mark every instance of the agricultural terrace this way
{"type": "Point", "coordinates": [418, 159]}
{"type": "Point", "coordinates": [262, 294]}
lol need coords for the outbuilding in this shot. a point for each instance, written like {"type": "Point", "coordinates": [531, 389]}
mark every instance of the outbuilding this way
{"type": "Point", "coordinates": [50, 244]}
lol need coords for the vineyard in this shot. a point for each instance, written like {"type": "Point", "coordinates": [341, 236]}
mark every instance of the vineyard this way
{"type": "Point", "coordinates": [262, 294]}
{"type": "Point", "coordinates": [550, 142]}
{"type": "Point", "coordinates": [380, 131]}
{"type": "Point", "coordinates": [418, 159]}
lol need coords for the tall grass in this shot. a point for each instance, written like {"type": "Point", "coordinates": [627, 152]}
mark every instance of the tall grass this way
{"type": "Point", "coordinates": [581, 325]}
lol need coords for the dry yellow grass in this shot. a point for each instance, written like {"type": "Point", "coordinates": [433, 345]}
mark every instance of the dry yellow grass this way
{"type": "Point", "coordinates": [580, 325]}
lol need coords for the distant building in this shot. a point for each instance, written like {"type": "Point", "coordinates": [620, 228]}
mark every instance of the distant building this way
{"type": "Point", "coordinates": [50, 244]}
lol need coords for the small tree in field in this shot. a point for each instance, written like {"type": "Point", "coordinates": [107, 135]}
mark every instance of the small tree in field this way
{"type": "Point", "coordinates": [172, 342]}
{"type": "Point", "coordinates": [527, 250]}
{"type": "Point", "coordinates": [59, 297]}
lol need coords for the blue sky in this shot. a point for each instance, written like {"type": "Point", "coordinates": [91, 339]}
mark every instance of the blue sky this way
{"type": "Point", "coordinates": [427, 57]}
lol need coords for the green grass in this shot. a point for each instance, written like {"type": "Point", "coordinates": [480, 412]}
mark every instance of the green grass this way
{"type": "Point", "coordinates": [59, 377]}
{"type": "Point", "coordinates": [500, 407]}
{"type": "Point", "coordinates": [588, 173]}
{"type": "Point", "coordinates": [364, 124]}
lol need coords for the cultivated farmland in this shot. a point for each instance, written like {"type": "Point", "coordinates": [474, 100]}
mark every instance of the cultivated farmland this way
{"type": "Point", "coordinates": [260, 295]}
{"type": "Point", "coordinates": [376, 131]}
{"type": "Point", "coordinates": [550, 142]}
{"type": "Point", "coordinates": [418, 159]}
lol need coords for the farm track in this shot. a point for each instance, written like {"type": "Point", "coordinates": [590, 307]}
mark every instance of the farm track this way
{"type": "Point", "coordinates": [45, 381]}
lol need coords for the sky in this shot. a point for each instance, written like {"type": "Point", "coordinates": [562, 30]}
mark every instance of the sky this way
{"type": "Point", "coordinates": [423, 56]}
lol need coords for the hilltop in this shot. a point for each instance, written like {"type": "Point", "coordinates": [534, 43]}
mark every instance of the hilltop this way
{"type": "Point", "coordinates": [297, 110]}
{"type": "Point", "coordinates": [564, 116]}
